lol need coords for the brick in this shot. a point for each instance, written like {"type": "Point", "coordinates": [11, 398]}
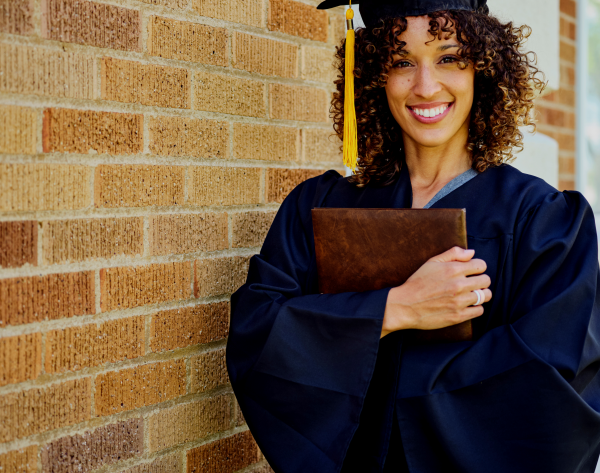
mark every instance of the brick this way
{"type": "Point", "coordinates": [220, 275]}
{"type": "Point", "coordinates": [89, 451]}
{"type": "Point", "coordinates": [556, 117]}
{"type": "Point", "coordinates": [91, 23]}
{"type": "Point", "coordinates": [567, 76]}
{"type": "Point", "coordinates": [209, 371]}
{"type": "Point", "coordinates": [562, 96]}
{"type": "Point", "coordinates": [19, 461]}
{"type": "Point", "coordinates": [55, 296]}
{"type": "Point", "coordinates": [566, 140]}
{"type": "Point", "coordinates": [239, 416]}
{"type": "Point", "coordinates": [218, 93]}
{"type": "Point", "coordinates": [179, 328]}
{"type": "Point", "coordinates": [188, 422]}
{"type": "Point", "coordinates": [44, 187]}
{"type": "Point", "coordinates": [566, 184]}
{"type": "Point", "coordinates": [337, 24]}
{"type": "Point", "coordinates": [189, 233]}
{"type": "Point", "coordinates": [198, 138]}
{"type": "Point", "coordinates": [118, 391]}
{"type": "Point", "coordinates": [250, 228]}
{"type": "Point", "coordinates": [265, 142]}
{"type": "Point", "coordinates": [317, 64]}
{"type": "Point", "coordinates": [298, 19]}
{"type": "Point", "coordinates": [569, 7]}
{"type": "Point", "coordinates": [38, 71]}
{"type": "Point", "coordinates": [223, 186]}
{"type": "Point", "coordinates": [321, 146]}
{"type": "Point", "coordinates": [280, 182]}
{"type": "Point", "coordinates": [248, 12]}
{"type": "Point", "coordinates": [75, 348]}
{"type": "Point", "coordinates": [138, 185]}
{"type": "Point", "coordinates": [264, 56]}
{"type": "Point", "coordinates": [18, 243]}
{"type": "Point", "coordinates": [68, 241]}
{"type": "Point", "coordinates": [168, 464]}
{"type": "Point", "coordinates": [18, 130]}
{"type": "Point", "coordinates": [289, 102]}
{"type": "Point", "coordinates": [263, 469]}
{"type": "Point", "coordinates": [568, 52]}
{"type": "Point", "coordinates": [147, 84]}
{"type": "Point", "coordinates": [568, 29]}
{"type": "Point", "coordinates": [174, 39]}
{"type": "Point", "coordinates": [16, 17]}
{"type": "Point", "coordinates": [127, 287]}
{"type": "Point", "coordinates": [566, 165]}
{"type": "Point", "coordinates": [39, 410]}
{"type": "Point", "coordinates": [224, 456]}
{"type": "Point", "coordinates": [181, 4]}
{"type": "Point", "coordinates": [20, 358]}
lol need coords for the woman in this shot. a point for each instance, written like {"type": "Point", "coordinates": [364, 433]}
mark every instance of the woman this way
{"type": "Point", "coordinates": [327, 382]}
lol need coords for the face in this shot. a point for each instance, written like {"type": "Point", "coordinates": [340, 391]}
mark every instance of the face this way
{"type": "Point", "coordinates": [429, 95]}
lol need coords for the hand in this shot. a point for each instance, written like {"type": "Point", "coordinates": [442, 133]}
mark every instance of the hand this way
{"type": "Point", "coordinates": [438, 294]}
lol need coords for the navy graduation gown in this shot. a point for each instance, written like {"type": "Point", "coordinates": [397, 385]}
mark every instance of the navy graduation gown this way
{"type": "Point", "coordinates": [317, 386]}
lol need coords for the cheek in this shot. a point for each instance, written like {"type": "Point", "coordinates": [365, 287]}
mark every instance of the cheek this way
{"type": "Point", "coordinates": [397, 90]}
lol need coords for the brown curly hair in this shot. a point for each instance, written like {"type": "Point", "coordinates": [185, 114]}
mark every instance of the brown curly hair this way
{"type": "Point", "coordinates": [505, 84]}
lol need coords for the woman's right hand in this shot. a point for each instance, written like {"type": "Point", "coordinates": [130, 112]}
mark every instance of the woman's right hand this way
{"type": "Point", "coordinates": [439, 294]}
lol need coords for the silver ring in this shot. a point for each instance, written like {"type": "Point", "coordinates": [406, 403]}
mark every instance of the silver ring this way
{"type": "Point", "coordinates": [480, 297]}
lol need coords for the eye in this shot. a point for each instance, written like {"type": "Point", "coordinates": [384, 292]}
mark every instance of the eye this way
{"type": "Point", "coordinates": [448, 60]}
{"type": "Point", "coordinates": [402, 64]}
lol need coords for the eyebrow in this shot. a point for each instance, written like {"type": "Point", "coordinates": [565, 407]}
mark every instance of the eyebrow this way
{"type": "Point", "coordinates": [444, 47]}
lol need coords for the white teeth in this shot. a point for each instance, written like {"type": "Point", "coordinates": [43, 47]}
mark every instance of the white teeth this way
{"type": "Point", "coordinates": [430, 112]}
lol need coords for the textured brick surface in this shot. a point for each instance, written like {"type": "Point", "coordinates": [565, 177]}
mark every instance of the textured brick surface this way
{"type": "Point", "coordinates": [248, 12]}
{"type": "Point", "coordinates": [223, 186]}
{"type": "Point", "coordinates": [322, 146]}
{"type": "Point", "coordinates": [18, 243]}
{"type": "Point", "coordinates": [168, 3]}
{"type": "Point", "coordinates": [147, 84]}
{"type": "Point", "coordinates": [224, 456]}
{"type": "Point", "coordinates": [84, 239]}
{"type": "Point", "coordinates": [38, 410]}
{"type": "Point", "coordinates": [179, 328]}
{"type": "Point", "coordinates": [273, 143]}
{"type": "Point", "coordinates": [280, 182]}
{"type": "Point", "coordinates": [91, 450]}
{"type": "Point", "coordinates": [218, 93]}
{"type": "Point", "coordinates": [168, 464]}
{"type": "Point", "coordinates": [19, 461]}
{"type": "Point", "coordinates": [209, 371]}
{"type": "Point", "coordinates": [18, 130]}
{"type": "Point", "coordinates": [175, 234]}
{"type": "Point", "coordinates": [317, 64]}
{"type": "Point", "coordinates": [85, 131]}
{"type": "Point", "coordinates": [219, 275]}
{"type": "Point", "coordinates": [187, 41]}
{"type": "Point", "coordinates": [16, 17]}
{"type": "Point", "coordinates": [55, 296]}
{"type": "Point", "coordinates": [75, 348]}
{"type": "Point", "coordinates": [290, 102]}
{"type": "Point", "coordinates": [265, 56]}
{"type": "Point", "coordinates": [20, 358]}
{"type": "Point", "coordinates": [298, 19]}
{"type": "Point", "coordinates": [138, 186]}
{"type": "Point", "coordinates": [127, 287]}
{"type": "Point", "coordinates": [188, 422]}
{"type": "Point", "coordinates": [91, 23]}
{"type": "Point", "coordinates": [38, 71]}
{"type": "Point", "coordinates": [118, 391]}
{"type": "Point", "coordinates": [177, 136]}
{"type": "Point", "coordinates": [250, 229]}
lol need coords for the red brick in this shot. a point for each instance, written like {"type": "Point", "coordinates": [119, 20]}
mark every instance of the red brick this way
{"type": "Point", "coordinates": [298, 19]}
{"type": "Point", "coordinates": [250, 228]}
{"type": "Point", "coordinates": [20, 358]}
{"type": "Point", "coordinates": [167, 464]}
{"type": "Point", "coordinates": [290, 102]}
{"type": "Point", "coordinates": [224, 456]}
{"type": "Point", "coordinates": [568, 29]}
{"type": "Point", "coordinates": [280, 182]}
{"type": "Point", "coordinates": [18, 130]}
{"type": "Point", "coordinates": [264, 56]}
{"type": "Point", "coordinates": [248, 12]}
{"type": "Point", "coordinates": [562, 96]}
{"type": "Point", "coordinates": [20, 461]}
{"type": "Point", "coordinates": [223, 186]}
{"type": "Point", "coordinates": [18, 243]}
{"type": "Point", "coordinates": [569, 7]}
{"type": "Point", "coordinates": [209, 371]}
{"type": "Point", "coordinates": [16, 17]}
{"type": "Point", "coordinates": [219, 275]}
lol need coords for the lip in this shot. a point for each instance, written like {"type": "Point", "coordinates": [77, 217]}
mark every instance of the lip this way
{"type": "Point", "coordinates": [430, 106]}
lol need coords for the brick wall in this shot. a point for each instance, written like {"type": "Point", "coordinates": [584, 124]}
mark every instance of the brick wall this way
{"type": "Point", "coordinates": [145, 146]}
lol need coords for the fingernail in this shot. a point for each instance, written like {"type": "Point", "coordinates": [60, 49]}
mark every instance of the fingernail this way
{"type": "Point", "coordinates": [469, 251]}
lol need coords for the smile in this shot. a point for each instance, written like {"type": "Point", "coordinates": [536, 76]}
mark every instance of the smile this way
{"type": "Point", "coordinates": [431, 114]}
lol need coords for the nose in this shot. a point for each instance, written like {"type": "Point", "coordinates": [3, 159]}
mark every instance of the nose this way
{"type": "Point", "coordinates": [426, 84]}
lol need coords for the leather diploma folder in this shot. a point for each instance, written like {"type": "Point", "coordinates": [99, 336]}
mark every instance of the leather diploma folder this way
{"type": "Point", "coordinates": [368, 249]}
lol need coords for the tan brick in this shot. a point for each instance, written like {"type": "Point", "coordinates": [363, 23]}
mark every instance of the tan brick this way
{"type": "Point", "coordinates": [322, 146]}
{"type": "Point", "coordinates": [224, 456]}
{"type": "Point", "coordinates": [217, 93]}
{"type": "Point", "coordinates": [209, 371]}
{"type": "Point", "coordinates": [19, 461]}
{"type": "Point", "coordinates": [138, 185]}
{"type": "Point", "coordinates": [272, 143]}
{"type": "Point", "coordinates": [20, 358]}
{"type": "Point", "coordinates": [54, 296]}
{"type": "Point", "coordinates": [168, 3]}
{"type": "Point", "coordinates": [179, 136]}
{"type": "Point", "coordinates": [566, 184]}
{"type": "Point", "coordinates": [147, 84]}
{"type": "Point", "coordinates": [38, 71]}
{"type": "Point", "coordinates": [18, 130]}
{"type": "Point", "coordinates": [127, 287]}
{"type": "Point", "coordinates": [188, 422]}
{"type": "Point", "coordinates": [568, 29]}
{"type": "Point", "coordinates": [290, 102]}
{"type": "Point", "coordinates": [317, 64]}
{"type": "Point", "coordinates": [189, 233]}
{"type": "Point", "coordinates": [91, 23]}
{"type": "Point", "coordinates": [298, 19]}
{"type": "Point", "coordinates": [566, 165]}
{"type": "Point", "coordinates": [44, 187]}
{"type": "Point", "coordinates": [250, 228]}
{"type": "Point", "coordinates": [280, 182]}
{"type": "Point", "coordinates": [223, 186]}
{"type": "Point", "coordinates": [569, 7]}
{"type": "Point", "coordinates": [264, 56]}
{"type": "Point", "coordinates": [16, 17]}
{"type": "Point", "coordinates": [179, 328]}
{"type": "Point", "coordinates": [248, 12]}
{"type": "Point", "coordinates": [89, 451]}
{"type": "Point", "coordinates": [39, 410]}
{"type": "Point", "coordinates": [262, 469]}
{"type": "Point", "coordinates": [18, 243]}
{"type": "Point", "coordinates": [220, 275]}
{"type": "Point", "coordinates": [168, 464]}
{"type": "Point", "coordinates": [187, 41]}
{"type": "Point", "coordinates": [337, 25]}
{"type": "Point", "coordinates": [239, 416]}
{"type": "Point", "coordinates": [118, 391]}
{"type": "Point", "coordinates": [67, 241]}
{"type": "Point", "coordinates": [75, 348]}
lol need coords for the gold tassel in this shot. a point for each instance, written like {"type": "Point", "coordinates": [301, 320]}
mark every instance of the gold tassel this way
{"type": "Point", "coordinates": [350, 137]}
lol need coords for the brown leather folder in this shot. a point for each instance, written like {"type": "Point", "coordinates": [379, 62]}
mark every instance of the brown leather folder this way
{"type": "Point", "coordinates": [368, 249]}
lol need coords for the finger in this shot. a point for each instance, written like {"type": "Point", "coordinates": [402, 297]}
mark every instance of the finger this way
{"type": "Point", "coordinates": [475, 266]}
{"type": "Point", "coordinates": [472, 312]}
{"type": "Point", "coordinates": [454, 254]}
{"type": "Point", "coordinates": [469, 298]}
{"type": "Point", "coordinates": [481, 281]}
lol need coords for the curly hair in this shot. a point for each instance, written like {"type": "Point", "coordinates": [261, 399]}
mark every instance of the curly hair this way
{"type": "Point", "coordinates": [505, 84]}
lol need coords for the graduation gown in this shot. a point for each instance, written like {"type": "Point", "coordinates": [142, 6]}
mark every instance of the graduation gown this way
{"type": "Point", "coordinates": [320, 390]}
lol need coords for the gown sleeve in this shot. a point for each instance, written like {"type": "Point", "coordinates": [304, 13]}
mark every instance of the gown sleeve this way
{"type": "Point", "coordinates": [288, 342]}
